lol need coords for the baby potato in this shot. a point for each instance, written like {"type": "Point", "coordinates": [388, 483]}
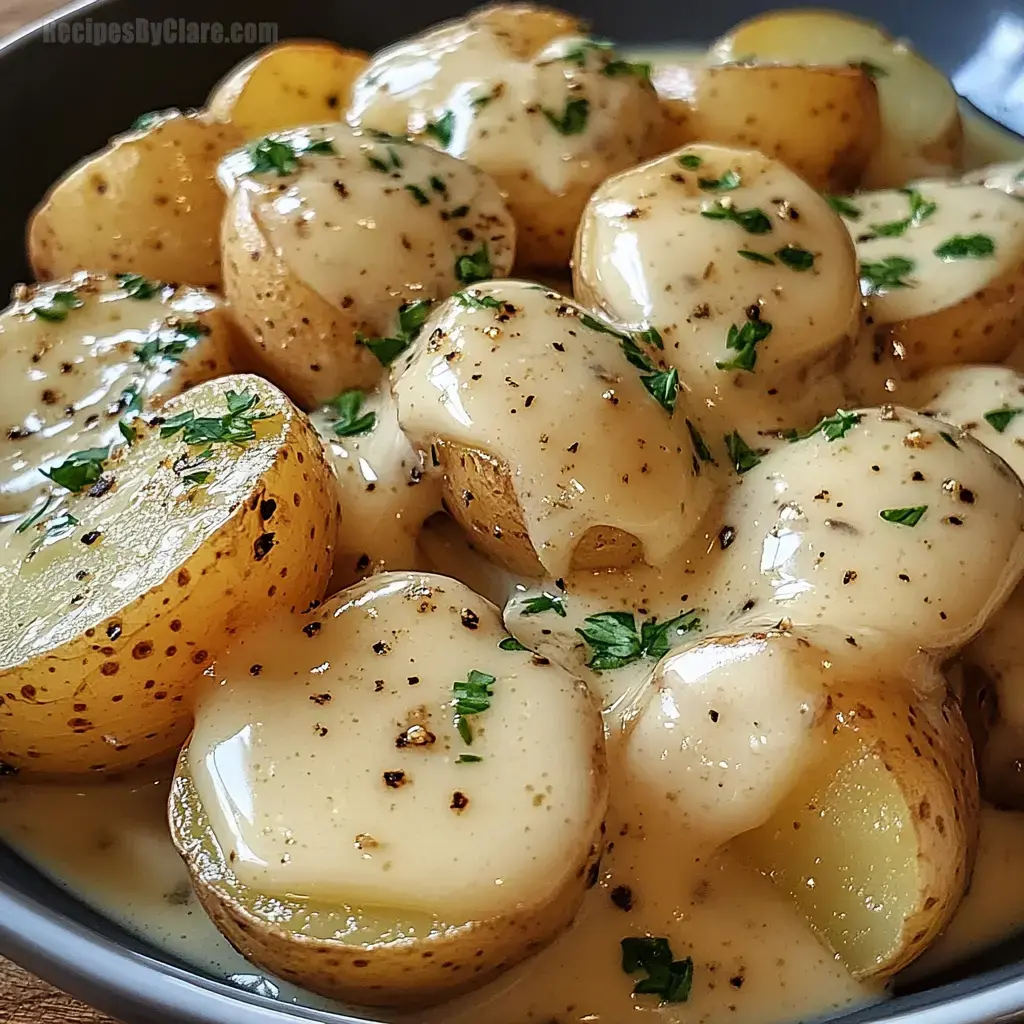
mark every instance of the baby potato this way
{"type": "Point", "coordinates": [921, 135]}
{"type": "Point", "coordinates": [744, 270]}
{"type": "Point", "coordinates": [822, 122]}
{"type": "Point", "coordinates": [147, 204]}
{"type": "Point", "coordinates": [877, 840]}
{"type": "Point", "coordinates": [561, 439]}
{"type": "Point", "coordinates": [336, 242]}
{"type": "Point", "coordinates": [898, 531]}
{"type": "Point", "coordinates": [114, 600]}
{"type": "Point", "coordinates": [297, 82]}
{"type": "Point", "coordinates": [388, 488]}
{"type": "Point", "coordinates": [419, 792]}
{"type": "Point", "coordinates": [78, 356]}
{"type": "Point", "coordinates": [940, 267]}
{"type": "Point", "coordinates": [520, 92]}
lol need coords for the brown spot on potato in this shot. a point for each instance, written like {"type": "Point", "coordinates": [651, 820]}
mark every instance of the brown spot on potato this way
{"type": "Point", "coordinates": [199, 657]}
{"type": "Point", "coordinates": [143, 649]}
{"type": "Point", "coordinates": [184, 577]}
{"type": "Point", "coordinates": [110, 668]}
{"type": "Point", "coordinates": [262, 545]}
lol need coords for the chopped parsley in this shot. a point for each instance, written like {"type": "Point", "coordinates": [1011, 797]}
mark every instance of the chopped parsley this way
{"type": "Point", "coordinates": [870, 69]}
{"type": "Point", "coordinates": [699, 445]}
{"type": "Point", "coordinates": [234, 427]}
{"type": "Point", "coordinates": [652, 336]}
{"type": "Point", "coordinates": [795, 258]}
{"type": "Point", "coordinates": [904, 516]}
{"type": "Point", "coordinates": [618, 68]}
{"type": "Point", "coordinates": [614, 639]}
{"type": "Point", "coordinates": [844, 207]}
{"type": "Point", "coordinates": [411, 316]}
{"type": "Point", "coordinates": [79, 470]}
{"type": "Point", "coordinates": [270, 154]}
{"type": "Point", "coordinates": [690, 161]}
{"type": "Point", "coordinates": [726, 183]}
{"type": "Point", "coordinates": [138, 287]}
{"type": "Point", "coordinates": [474, 300]}
{"type": "Point", "coordinates": [468, 759]}
{"type": "Point", "coordinates": [573, 120]}
{"type": "Point", "coordinates": [147, 120]}
{"type": "Point", "coordinates": [442, 129]}
{"type": "Point", "coordinates": [59, 526]}
{"type": "Point", "coordinates": [667, 978]}
{"type": "Point", "coordinates": [881, 276]}
{"type": "Point", "coordinates": [920, 210]}
{"type": "Point", "coordinates": [61, 303]}
{"type": "Point", "coordinates": [663, 386]}
{"type": "Point", "coordinates": [579, 53]}
{"type": "Point", "coordinates": [128, 432]}
{"type": "Point", "coordinates": [510, 643]}
{"type": "Point", "coordinates": [1000, 419]}
{"type": "Point", "coordinates": [755, 257]}
{"type": "Point", "coordinates": [753, 221]}
{"type": "Point", "coordinates": [171, 343]}
{"type": "Point", "coordinates": [833, 427]}
{"type": "Point", "coordinates": [544, 603]}
{"type": "Point", "coordinates": [472, 697]}
{"type": "Point", "coordinates": [348, 405]}
{"type": "Point", "coordinates": [741, 455]}
{"type": "Point", "coordinates": [948, 438]}
{"type": "Point", "coordinates": [36, 516]}
{"type": "Point", "coordinates": [418, 194]}
{"type": "Point", "coordinates": [965, 247]}
{"type": "Point", "coordinates": [200, 476]}
{"type": "Point", "coordinates": [744, 341]}
{"type": "Point", "coordinates": [476, 266]}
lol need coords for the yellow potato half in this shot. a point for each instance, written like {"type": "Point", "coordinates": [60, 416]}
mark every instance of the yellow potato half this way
{"type": "Point", "coordinates": [115, 600]}
{"type": "Point", "coordinates": [921, 130]}
{"type": "Point", "coordinates": [876, 844]}
{"type": "Point", "coordinates": [300, 81]}
{"type": "Point", "coordinates": [147, 204]}
{"type": "Point", "coordinates": [822, 122]}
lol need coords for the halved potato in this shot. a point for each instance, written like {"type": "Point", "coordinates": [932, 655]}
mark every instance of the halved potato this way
{"type": "Point", "coordinates": [522, 93]}
{"type": "Point", "coordinates": [115, 600]}
{"type": "Point", "coordinates": [921, 130]}
{"type": "Point", "coordinates": [942, 269]}
{"type": "Point", "coordinates": [447, 829]}
{"type": "Point", "coordinates": [877, 840]}
{"type": "Point", "coordinates": [337, 241]}
{"type": "Point", "coordinates": [297, 82]}
{"type": "Point", "coordinates": [79, 355]}
{"type": "Point", "coordinates": [822, 122]}
{"type": "Point", "coordinates": [147, 204]}
{"type": "Point", "coordinates": [562, 439]}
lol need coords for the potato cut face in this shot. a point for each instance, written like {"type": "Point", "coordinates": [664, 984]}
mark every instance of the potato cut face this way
{"type": "Point", "coordinates": [295, 83]}
{"type": "Point", "coordinates": [79, 355]}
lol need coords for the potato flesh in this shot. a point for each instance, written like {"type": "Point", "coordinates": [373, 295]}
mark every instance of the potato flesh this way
{"type": "Point", "coordinates": [577, 393]}
{"type": "Point", "coordinates": [60, 378]}
{"type": "Point", "coordinates": [655, 214]}
{"type": "Point", "coordinates": [437, 833]}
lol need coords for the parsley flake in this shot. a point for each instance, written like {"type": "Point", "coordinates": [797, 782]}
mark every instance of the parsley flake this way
{"type": "Point", "coordinates": [690, 161]}
{"type": "Point", "coordinates": [614, 639]}
{"type": "Point", "coordinates": [442, 129]}
{"type": "Point", "coordinates": [348, 405]}
{"type": "Point", "coordinates": [411, 316]}
{"type": "Point", "coordinates": [128, 432]}
{"type": "Point", "coordinates": [881, 276]}
{"type": "Point", "coordinates": [510, 643]}
{"type": "Point", "coordinates": [965, 247]}
{"type": "Point", "coordinates": [904, 516]}
{"type": "Point", "coordinates": [795, 258]}
{"type": "Point", "coordinates": [870, 69]}
{"type": "Point", "coordinates": [755, 257]}
{"type": "Point", "coordinates": [667, 978]}
{"type": "Point", "coordinates": [844, 207]}
{"type": "Point", "coordinates": [573, 120]}
{"type": "Point", "coordinates": [171, 343]}
{"type": "Point", "coordinates": [579, 53]}
{"type": "Point", "coordinates": [833, 427]}
{"type": "Point", "coordinates": [138, 287]}
{"type": "Point", "coordinates": [699, 445]}
{"type": "Point", "coordinates": [741, 455]}
{"type": "Point", "coordinates": [468, 759]}
{"type": "Point", "coordinates": [476, 266]}
{"type": "Point", "coordinates": [744, 341]}
{"type": "Point", "coordinates": [418, 194]}
{"type": "Point", "coordinates": [474, 300]}
{"type": "Point", "coordinates": [545, 602]}
{"type": "Point", "coordinates": [60, 304]}
{"type": "Point", "coordinates": [753, 221]}
{"type": "Point", "coordinates": [79, 470]}
{"type": "Point", "coordinates": [618, 68]}
{"type": "Point", "coordinates": [1000, 419]}
{"type": "Point", "coordinates": [234, 427]}
{"type": "Point", "coordinates": [726, 183]}
{"type": "Point", "coordinates": [472, 696]}
{"type": "Point", "coordinates": [35, 516]}
{"type": "Point", "coordinates": [920, 210]}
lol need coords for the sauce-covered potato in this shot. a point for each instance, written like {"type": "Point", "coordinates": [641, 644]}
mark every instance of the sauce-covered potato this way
{"type": "Point", "coordinates": [81, 358]}
{"type": "Point", "coordinates": [525, 95]}
{"type": "Point", "coordinates": [453, 794]}
{"type": "Point", "coordinates": [147, 204]}
{"type": "Point", "coordinates": [336, 242]}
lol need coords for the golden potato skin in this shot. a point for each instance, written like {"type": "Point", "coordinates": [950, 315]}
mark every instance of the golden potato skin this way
{"type": "Point", "coordinates": [821, 122]}
{"type": "Point", "coordinates": [527, 28]}
{"type": "Point", "coordinates": [147, 204]}
{"type": "Point", "coordinates": [479, 494]}
{"type": "Point", "coordinates": [401, 972]}
{"type": "Point", "coordinates": [269, 300]}
{"type": "Point", "coordinates": [118, 695]}
{"type": "Point", "coordinates": [297, 82]}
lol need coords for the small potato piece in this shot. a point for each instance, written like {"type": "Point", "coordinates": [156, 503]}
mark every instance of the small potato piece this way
{"type": "Point", "coordinates": [877, 841]}
{"type": "Point", "coordinates": [521, 93]}
{"type": "Point", "coordinates": [922, 134]}
{"type": "Point", "coordinates": [955, 296]}
{"type": "Point", "coordinates": [297, 82]}
{"type": "Point", "coordinates": [821, 122]}
{"type": "Point", "coordinates": [114, 601]}
{"type": "Point", "coordinates": [412, 805]}
{"type": "Point", "coordinates": [333, 253]}
{"type": "Point", "coordinates": [556, 448]}
{"type": "Point", "coordinates": [147, 204]}
{"type": "Point", "coordinates": [77, 356]}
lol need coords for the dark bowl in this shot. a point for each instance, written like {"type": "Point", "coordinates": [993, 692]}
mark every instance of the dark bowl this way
{"type": "Point", "coordinates": [49, 119]}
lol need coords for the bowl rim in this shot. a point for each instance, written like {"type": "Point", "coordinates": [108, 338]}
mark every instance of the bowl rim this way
{"type": "Point", "coordinates": [135, 986]}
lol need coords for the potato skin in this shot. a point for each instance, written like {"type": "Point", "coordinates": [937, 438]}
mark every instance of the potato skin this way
{"type": "Point", "coordinates": [400, 972]}
{"type": "Point", "coordinates": [297, 82]}
{"type": "Point", "coordinates": [147, 204]}
{"type": "Point", "coordinates": [821, 122]}
{"type": "Point", "coordinates": [98, 702]}
{"type": "Point", "coordinates": [494, 523]}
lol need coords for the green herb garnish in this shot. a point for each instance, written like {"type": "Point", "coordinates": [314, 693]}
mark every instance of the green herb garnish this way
{"type": "Point", "coordinates": [418, 194]}
{"type": "Point", "coordinates": [870, 69]}
{"type": "Point", "coordinates": [920, 210]}
{"type": "Point", "coordinates": [468, 759]}
{"type": "Point", "coordinates": [1000, 419]}
{"type": "Point", "coordinates": [753, 221]}
{"type": "Point", "coordinates": [411, 316]}
{"type": "Point", "coordinates": [742, 456]}
{"type": "Point", "coordinates": [699, 446]}
{"type": "Point", "coordinates": [473, 300]}
{"type": "Point", "coordinates": [690, 161]}
{"type": "Point", "coordinates": [669, 979]}
{"type": "Point", "coordinates": [472, 697]}
{"type": "Point", "coordinates": [579, 53]}
{"type": "Point", "coordinates": [881, 276]}
{"type": "Point", "coordinates": [474, 267]}
{"type": "Point", "coordinates": [904, 516]}
{"type": "Point", "coordinates": [138, 287]}
{"type": "Point", "coordinates": [726, 183]}
{"type": "Point", "coordinates": [36, 516]}
{"type": "Point", "coordinates": [544, 603]}
{"type": "Point", "coordinates": [147, 120]}
{"type": "Point", "coordinates": [833, 427]}
{"type": "Point", "coordinates": [171, 343]}
{"type": "Point", "coordinates": [948, 438]}
{"type": "Point", "coordinates": [744, 341]}
{"type": "Point", "coordinates": [965, 247]}
{"type": "Point", "coordinates": [573, 120]}
{"type": "Point", "coordinates": [234, 427]}
{"type": "Point", "coordinates": [663, 386]}
{"type": "Point", "coordinates": [272, 155]}
{"type": "Point", "coordinates": [60, 304]}
{"type": "Point", "coordinates": [510, 643]}
{"type": "Point", "coordinates": [128, 432]}
{"type": "Point", "coordinates": [79, 470]}
{"type": "Point", "coordinates": [442, 129]}
{"type": "Point", "coordinates": [614, 639]}
{"type": "Point", "coordinates": [197, 478]}
{"type": "Point", "coordinates": [617, 68]}
{"type": "Point", "coordinates": [795, 258]}
{"type": "Point", "coordinates": [350, 423]}
{"type": "Point", "coordinates": [755, 257]}
{"type": "Point", "coordinates": [844, 207]}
